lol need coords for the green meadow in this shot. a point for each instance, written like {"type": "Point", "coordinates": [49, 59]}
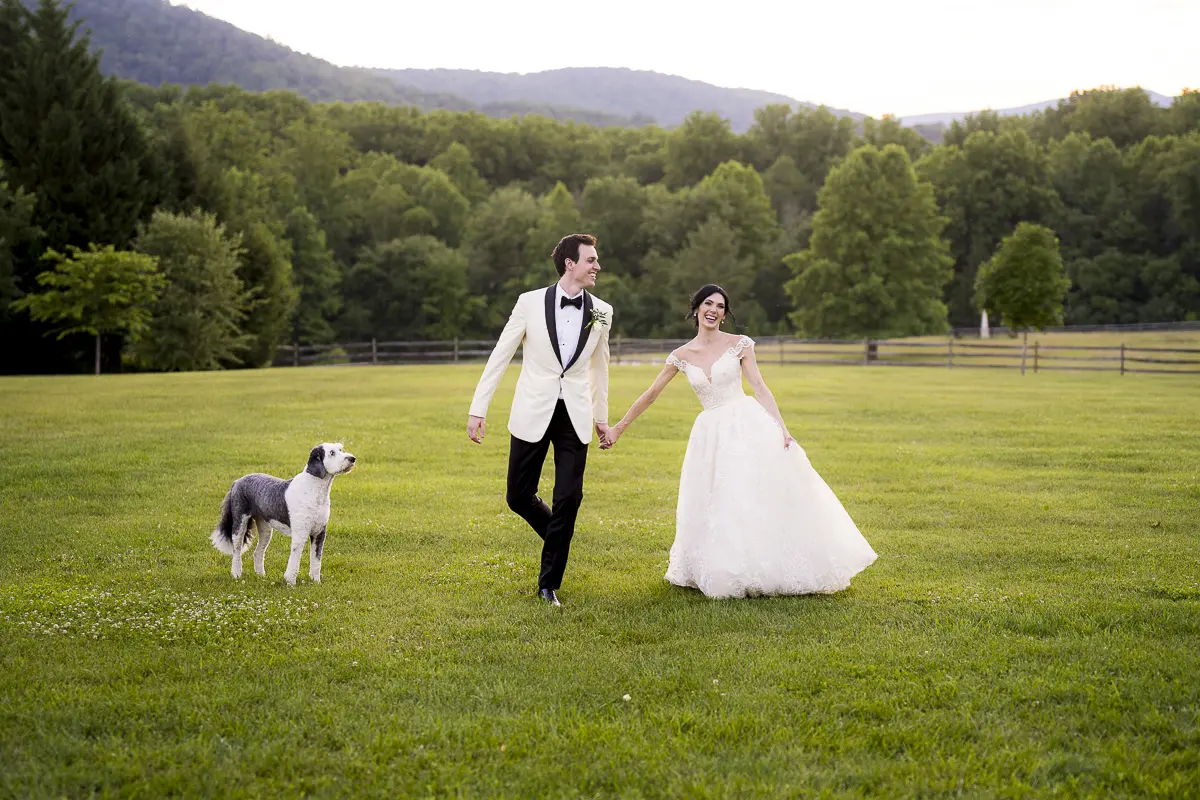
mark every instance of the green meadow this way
{"type": "Point", "coordinates": [1031, 628]}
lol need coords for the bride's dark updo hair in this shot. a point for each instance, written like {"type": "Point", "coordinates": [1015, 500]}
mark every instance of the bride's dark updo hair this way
{"type": "Point", "coordinates": [706, 291]}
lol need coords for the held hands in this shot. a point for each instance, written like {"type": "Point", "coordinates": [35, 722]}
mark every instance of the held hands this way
{"type": "Point", "coordinates": [788, 441]}
{"type": "Point", "coordinates": [609, 436]}
{"type": "Point", "coordinates": [477, 430]}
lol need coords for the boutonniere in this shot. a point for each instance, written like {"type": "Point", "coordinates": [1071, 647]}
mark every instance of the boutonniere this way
{"type": "Point", "coordinates": [599, 317]}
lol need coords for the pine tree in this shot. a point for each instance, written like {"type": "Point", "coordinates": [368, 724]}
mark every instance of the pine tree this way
{"type": "Point", "coordinates": [66, 133]}
{"type": "Point", "coordinates": [68, 139]}
{"type": "Point", "coordinates": [16, 229]}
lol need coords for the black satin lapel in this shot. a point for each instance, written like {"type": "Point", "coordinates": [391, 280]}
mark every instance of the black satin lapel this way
{"type": "Point", "coordinates": [584, 334]}
{"type": "Point", "coordinates": [551, 324]}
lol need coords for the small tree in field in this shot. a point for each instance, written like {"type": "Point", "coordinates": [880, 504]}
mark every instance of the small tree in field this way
{"type": "Point", "coordinates": [99, 291]}
{"type": "Point", "coordinates": [1024, 282]}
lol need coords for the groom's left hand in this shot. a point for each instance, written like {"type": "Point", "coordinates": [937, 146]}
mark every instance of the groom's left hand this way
{"type": "Point", "coordinates": [602, 432]}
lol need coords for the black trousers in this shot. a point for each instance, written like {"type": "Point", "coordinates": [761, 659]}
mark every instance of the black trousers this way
{"type": "Point", "coordinates": [555, 525]}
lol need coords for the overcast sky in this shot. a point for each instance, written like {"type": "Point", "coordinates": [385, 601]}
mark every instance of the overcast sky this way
{"type": "Point", "coordinates": [871, 56]}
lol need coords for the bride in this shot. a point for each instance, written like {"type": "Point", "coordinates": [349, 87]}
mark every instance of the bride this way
{"type": "Point", "coordinates": [753, 517]}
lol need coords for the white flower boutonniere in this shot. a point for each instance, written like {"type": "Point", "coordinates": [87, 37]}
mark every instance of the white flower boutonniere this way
{"type": "Point", "coordinates": [598, 318]}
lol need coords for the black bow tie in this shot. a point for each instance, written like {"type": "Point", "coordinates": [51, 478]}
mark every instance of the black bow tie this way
{"type": "Point", "coordinates": [571, 301]}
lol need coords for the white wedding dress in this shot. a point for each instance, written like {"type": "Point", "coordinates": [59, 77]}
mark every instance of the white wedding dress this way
{"type": "Point", "coordinates": [754, 518]}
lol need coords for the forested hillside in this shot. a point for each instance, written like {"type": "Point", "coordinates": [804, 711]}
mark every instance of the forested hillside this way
{"type": "Point", "coordinates": [155, 43]}
{"type": "Point", "coordinates": [640, 95]}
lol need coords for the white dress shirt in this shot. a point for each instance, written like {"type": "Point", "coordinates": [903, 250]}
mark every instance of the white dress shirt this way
{"type": "Point", "coordinates": [569, 323]}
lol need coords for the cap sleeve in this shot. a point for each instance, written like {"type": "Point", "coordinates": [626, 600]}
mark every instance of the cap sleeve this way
{"type": "Point", "coordinates": [741, 345]}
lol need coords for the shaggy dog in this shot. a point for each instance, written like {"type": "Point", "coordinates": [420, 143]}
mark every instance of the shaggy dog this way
{"type": "Point", "coordinates": [298, 508]}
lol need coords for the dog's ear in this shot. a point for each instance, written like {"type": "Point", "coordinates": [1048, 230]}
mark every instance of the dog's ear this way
{"type": "Point", "coordinates": [316, 463]}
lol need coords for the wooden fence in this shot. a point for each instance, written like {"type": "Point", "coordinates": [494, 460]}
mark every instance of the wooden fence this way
{"type": "Point", "coordinates": [948, 353]}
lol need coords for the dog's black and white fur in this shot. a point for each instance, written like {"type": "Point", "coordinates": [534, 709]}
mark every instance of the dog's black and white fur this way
{"type": "Point", "coordinates": [298, 508]}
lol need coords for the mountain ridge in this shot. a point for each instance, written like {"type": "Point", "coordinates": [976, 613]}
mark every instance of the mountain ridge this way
{"type": "Point", "coordinates": [668, 99]}
{"type": "Point", "coordinates": [155, 42]}
{"type": "Point", "coordinates": [946, 118]}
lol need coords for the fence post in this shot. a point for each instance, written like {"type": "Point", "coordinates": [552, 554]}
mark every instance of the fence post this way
{"type": "Point", "coordinates": [455, 349]}
{"type": "Point", "coordinates": [949, 352]}
{"type": "Point", "coordinates": [781, 355]}
{"type": "Point", "coordinates": [374, 352]}
{"type": "Point", "coordinates": [1035, 357]}
{"type": "Point", "coordinates": [296, 352]}
{"type": "Point", "coordinates": [1024, 350]}
{"type": "Point", "coordinates": [1122, 358]}
{"type": "Point", "coordinates": [866, 352]}
{"type": "Point", "coordinates": [618, 349]}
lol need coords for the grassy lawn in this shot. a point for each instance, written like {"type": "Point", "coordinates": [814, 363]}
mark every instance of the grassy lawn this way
{"type": "Point", "coordinates": [1032, 625]}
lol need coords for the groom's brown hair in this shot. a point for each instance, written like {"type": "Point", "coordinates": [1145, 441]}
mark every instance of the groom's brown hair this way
{"type": "Point", "coordinates": [568, 247]}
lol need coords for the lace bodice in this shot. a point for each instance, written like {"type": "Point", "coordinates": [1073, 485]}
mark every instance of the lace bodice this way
{"type": "Point", "coordinates": [725, 384]}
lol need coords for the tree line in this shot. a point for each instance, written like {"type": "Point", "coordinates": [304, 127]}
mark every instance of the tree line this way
{"type": "Point", "coordinates": [267, 219]}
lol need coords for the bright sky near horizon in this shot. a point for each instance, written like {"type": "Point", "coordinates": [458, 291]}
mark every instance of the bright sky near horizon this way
{"type": "Point", "coordinates": [870, 56]}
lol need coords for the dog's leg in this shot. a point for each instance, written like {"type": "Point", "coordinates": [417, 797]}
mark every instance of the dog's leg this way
{"type": "Point", "coordinates": [293, 567]}
{"type": "Point", "coordinates": [314, 555]}
{"type": "Point", "coordinates": [241, 528]}
{"type": "Point", "coordinates": [264, 539]}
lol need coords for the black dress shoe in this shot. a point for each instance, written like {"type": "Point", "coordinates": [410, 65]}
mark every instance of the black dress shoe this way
{"type": "Point", "coordinates": [549, 596]}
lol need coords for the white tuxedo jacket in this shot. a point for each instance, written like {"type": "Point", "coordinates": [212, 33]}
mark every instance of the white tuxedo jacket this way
{"type": "Point", "coordinates": [581, 376]}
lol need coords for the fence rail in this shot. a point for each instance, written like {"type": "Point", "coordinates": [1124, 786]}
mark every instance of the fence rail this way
{"type": "Point", "coordinates": [1123, 327]}
{"type": "Point", "coordinates": [948, 353]}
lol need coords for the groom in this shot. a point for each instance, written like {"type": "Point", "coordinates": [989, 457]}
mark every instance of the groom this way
{"type": "Point", "coordinates": [561, 394]}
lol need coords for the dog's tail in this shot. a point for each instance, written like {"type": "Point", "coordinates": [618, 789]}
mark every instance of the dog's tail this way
{"type": "Point", "coordinates": [222, 535]}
